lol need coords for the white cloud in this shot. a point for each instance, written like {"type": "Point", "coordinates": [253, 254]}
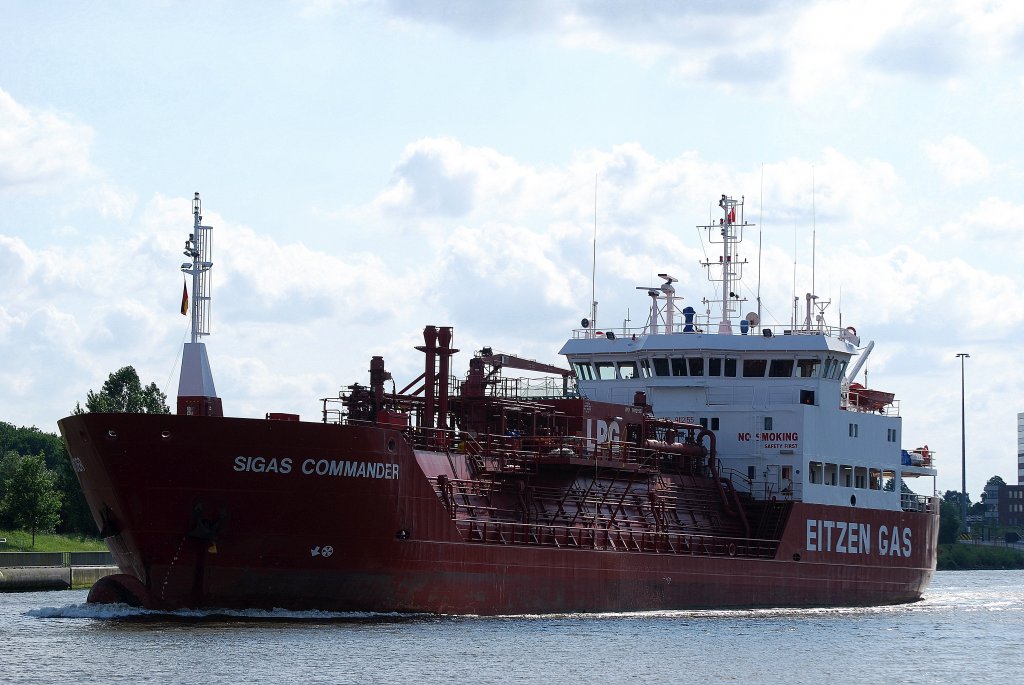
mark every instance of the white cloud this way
{"type": "Point", "coordinates": [107, 201]}
{"type": "Point", "coordinates": [793, 49]}
{"type": "Point", "coordinates": [507, 262]}
{"type": "Point", "coordinates": [40, 150]}
{"type": "Point", "coordinates": [957, 160]}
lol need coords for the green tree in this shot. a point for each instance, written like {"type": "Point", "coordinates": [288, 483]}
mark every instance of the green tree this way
{"type": "Point", "coordinates": [996, 480]}
{"type": "Point", "coordinates": [949, 520]}
{"type": "Point", "coordinates": [954, 497]}
{"type": "Point", "coordinates": [27, 441]}
{"type": "Point", "coordinates": [8, 461]}
{"type": "Point", "coordinates": [75, 518]}
{"type": "Point", "coordinates": [31, 499]}
{"type": "Point", "coordinates": [123, 392]}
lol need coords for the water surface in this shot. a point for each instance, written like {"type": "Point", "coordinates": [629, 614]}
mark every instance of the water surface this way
{"type": "Point", "coordinates": [969, 627]}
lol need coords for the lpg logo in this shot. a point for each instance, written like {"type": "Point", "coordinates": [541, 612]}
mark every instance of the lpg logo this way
{"type": "Point", "coordinates": [602, 432]}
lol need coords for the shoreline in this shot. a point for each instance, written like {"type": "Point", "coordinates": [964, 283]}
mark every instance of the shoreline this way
{"type": "Point", "coordinates": [39, 578]}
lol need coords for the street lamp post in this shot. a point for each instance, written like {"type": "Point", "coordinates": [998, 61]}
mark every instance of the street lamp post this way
{"type": "Point", "coordinates": [963, 443]}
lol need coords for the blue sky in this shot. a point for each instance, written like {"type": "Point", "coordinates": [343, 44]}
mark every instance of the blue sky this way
{"type": "Point", "coordinates": [370, 167]}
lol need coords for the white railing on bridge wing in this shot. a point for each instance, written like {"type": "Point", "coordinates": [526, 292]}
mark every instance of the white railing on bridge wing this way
{"type": "Point", "coordinates": [712, 327]}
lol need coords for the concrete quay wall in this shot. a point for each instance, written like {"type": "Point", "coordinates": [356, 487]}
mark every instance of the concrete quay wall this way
{"type": "Point", "coordinates": [36, 578]}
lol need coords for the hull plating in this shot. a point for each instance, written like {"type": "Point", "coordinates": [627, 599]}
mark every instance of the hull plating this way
{"type": "Point", "coordinates": [221, 512]}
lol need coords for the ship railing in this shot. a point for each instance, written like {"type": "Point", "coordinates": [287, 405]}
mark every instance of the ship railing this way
{"type": "Point", "coordinates": [926, 504]}
{"type": "Point", "coordinates": [516, 452]}
{"type": "Point", "coordinates": [543, 388]}
{"type": "Point", "coordinates": [333, 410]}
{"type": "Point", "coordinates": [921, 456]}
{"type": "Point", "coordinates": [740, 481]}
{"type": "Point", "coordinates": [706, 324]}
{"type": "Point", "coordinates": [612, 539]}
{"type": "Point", "coordinates": [857, 404]}
{"type": "Point", "coordinates": [765, 490]}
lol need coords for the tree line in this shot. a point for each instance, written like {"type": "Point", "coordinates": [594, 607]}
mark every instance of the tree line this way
{"type": "Point", "coordinates": [951, 522]}
{"type": "Point", "coordinates": [39, 491]}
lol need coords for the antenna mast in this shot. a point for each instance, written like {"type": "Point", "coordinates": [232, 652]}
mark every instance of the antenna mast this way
{"type": "Point", "coordinates": [760, 234]}
{"type": "Point", "coordinates": [197, 247]}
{"type": "Point", "coordinates": [814, 232]}
{"type": "Point", "coordinates": [593, 270]}
{"type": "Point", "coordinates": [729, 234]}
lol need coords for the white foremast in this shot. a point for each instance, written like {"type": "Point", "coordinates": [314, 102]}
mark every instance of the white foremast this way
{"type": "Point", "coordinates": [196, 392]}
{"type": "Point", "coordinates": [198, 248]}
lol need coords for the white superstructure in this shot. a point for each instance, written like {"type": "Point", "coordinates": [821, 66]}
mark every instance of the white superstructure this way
{"type": "Point", "coordinates": [789, 421]}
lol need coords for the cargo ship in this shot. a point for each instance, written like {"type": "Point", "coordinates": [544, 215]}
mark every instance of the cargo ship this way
{"type": "Point", "coordinates": [704, 460]}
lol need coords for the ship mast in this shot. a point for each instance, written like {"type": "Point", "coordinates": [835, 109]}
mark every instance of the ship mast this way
{"type": "Point", "coordinates": [196, 392]}
{"type": "Point", "coordinates": [198, 248]}
{"type": "Point", "coordinates": [728, 232]}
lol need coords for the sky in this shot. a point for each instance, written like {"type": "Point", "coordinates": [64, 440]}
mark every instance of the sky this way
{"type": "Point", "coordinates": [373, 166]}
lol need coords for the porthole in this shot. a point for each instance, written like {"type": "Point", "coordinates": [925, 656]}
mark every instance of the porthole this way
{"type": "Point", "coordinates": [165, 434]}
{"type": "Point", "coordinates": [853, 500]}
{"type": "Point", "coordinates": [391, 444]}
{"type": "Point", "coordinates": [112, 434]}
{"type": "Point", "coordinates": [796, 557]}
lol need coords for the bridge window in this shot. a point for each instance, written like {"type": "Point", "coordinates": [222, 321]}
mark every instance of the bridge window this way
{"type": "Point", "coordinates": [817, 470]}
{"type": "Point", "coordinates": [627, 370]}
{"type": "Point", "coordinates": [781, 368]}
{"type": "Point", "coordinates": [696, 365]}
{"type": "Point", "coordinates": [807, 368]}
{"type": "Point", "coordinates": [583, 371]}
{"type": "Point", "coordinates": [754, 368]}
{"type": "Point", "coordinates": [715, 366]}
{"type": "Point", "coordinates": [661, 367]}
{"type": "Point", "coordinates": [678, 366]}
{"type": "Point", "coordinates": [846, 476]}
{"type": "Point", "coordinates": [605, 370]}
{"type": "Point", "coordinates": [875, 479]}
{"type": "Point", "coordinates": [889, 480]}
{"type": "Point", "coordinates": [860, 477]}
{"type": "Point", "coordinates": [645, 368]}
{"type": "Point", "coordinates": [831, 474]}
{"type": "Point", "coordinates": [730, 368]}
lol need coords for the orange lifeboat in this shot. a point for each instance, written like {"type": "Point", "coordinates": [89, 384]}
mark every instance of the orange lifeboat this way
{"type": "Point", "coordinates": [869, 400]}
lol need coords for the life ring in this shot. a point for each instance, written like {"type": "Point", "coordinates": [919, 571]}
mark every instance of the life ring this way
{"type": "Point", "coordinates": [732, 549]}
{"type": "Point", "coordinates": [851, 331]}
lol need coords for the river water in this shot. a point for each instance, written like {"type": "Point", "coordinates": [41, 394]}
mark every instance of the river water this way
{"type": "Point", "coordinates": [969, 627]}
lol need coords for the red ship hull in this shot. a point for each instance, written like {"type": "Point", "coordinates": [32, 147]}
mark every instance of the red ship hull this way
{"type": "Point", "coordinates": [224, 512]}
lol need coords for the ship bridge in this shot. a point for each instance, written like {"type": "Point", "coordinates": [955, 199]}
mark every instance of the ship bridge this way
{"type": "Point", "coordinates": [790, 422]}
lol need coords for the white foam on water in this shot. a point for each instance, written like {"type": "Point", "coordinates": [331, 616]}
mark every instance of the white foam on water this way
{"type": "Point", "coordinates": [124, 611]}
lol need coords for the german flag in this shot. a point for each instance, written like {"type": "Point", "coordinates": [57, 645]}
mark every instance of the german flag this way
{"type": "Point", "coordinates": [184, 299]}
